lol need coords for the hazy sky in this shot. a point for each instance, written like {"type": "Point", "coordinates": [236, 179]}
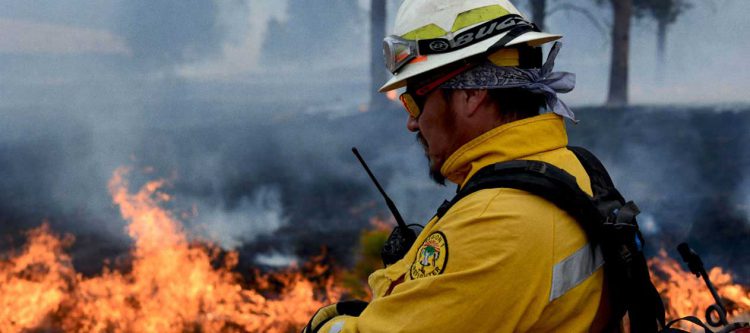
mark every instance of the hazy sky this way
{"type": "Point", "coordinates": [705, 57]}
{"type": "Point", "coordinates": [705, 50]}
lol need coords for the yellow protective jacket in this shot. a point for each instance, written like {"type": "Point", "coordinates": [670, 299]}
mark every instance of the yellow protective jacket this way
{"type": "Point", "coordinates": [500, 260]}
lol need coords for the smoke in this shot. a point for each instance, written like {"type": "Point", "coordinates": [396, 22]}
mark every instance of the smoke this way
{"type": "Point", "coordinates": [246, 25]}
{"type": "Point", "coordinates": [686, 170]}
{"type": "Point", "coordinates": [275, 259]}
{"type": "Point", "coordinates": [94, 114]}
{"type": "Point", "coordinates": [21, 37]}
{"type": "Point", "coordinates": [166, 32]}
{"type": "Point", "coordinates": [702, 48]}
{"type": "Point", "coordinates": [257, 215]}
{"type": "Point", "coordinates": [250, 108]}
{"type": "Point", "coordinates": [648, 224]}
{"type": "Point", "coordinates": [311, 37]}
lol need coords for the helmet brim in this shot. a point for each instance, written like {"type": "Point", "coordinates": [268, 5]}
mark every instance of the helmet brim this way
{"type": "Point", "coordinates": [532, 38]}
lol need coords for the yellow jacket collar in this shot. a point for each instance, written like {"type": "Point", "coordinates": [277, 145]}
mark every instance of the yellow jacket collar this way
{"type": "Point", "coordinates": [516, 140]}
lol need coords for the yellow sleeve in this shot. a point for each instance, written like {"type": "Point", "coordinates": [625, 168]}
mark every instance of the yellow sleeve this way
{"type": "Point", "coordinates": [484, 267]}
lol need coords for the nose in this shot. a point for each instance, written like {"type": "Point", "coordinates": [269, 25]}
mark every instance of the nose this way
{"type": "Point", "coordinates": [412, 124]}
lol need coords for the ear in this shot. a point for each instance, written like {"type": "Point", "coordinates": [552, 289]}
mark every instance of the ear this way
{"type": "Point", "coordinates": [473, 100]}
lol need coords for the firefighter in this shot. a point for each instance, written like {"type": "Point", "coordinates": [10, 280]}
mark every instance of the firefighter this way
{"type": "Point", "coordinates": [477, 92]}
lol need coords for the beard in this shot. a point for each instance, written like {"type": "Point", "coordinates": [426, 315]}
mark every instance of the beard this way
{"type": "Point", "coordinates": [435, 174]}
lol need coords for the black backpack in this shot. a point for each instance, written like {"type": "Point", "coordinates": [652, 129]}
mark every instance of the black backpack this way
{"type": "Point", "coordinates": [608, 220]}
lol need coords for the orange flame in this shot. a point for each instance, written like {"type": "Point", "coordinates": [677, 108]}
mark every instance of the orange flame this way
{"type": "Point", "coordinates": [173, 284]}
{"type": "Point", "coordinates": [685, 294]}
{"type": "Point", "coordinates": [34, 282]}
{"type": "Point", "coordinates": [171, 287]}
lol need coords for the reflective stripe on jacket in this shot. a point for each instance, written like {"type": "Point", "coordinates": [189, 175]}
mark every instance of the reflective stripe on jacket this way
{"type": "Point", "coordinates": [500, 260]}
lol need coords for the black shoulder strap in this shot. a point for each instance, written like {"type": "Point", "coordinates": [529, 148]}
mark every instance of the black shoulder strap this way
{"type": "Point", "coordinates": [539, 178]}
{"type": "Point", "coordinates": [606, 218]}
{"type": "Point", "coordinates": [636, 293]}
{"type": "Point", "coordinates": [601, 183]}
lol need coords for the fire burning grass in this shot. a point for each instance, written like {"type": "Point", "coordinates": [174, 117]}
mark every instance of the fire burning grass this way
{"type": "Point", "coordinates": [173, 285]}
{"type": "Point", "coordinates": [685, 294]}
{"type": "Point", "coordinates": [177, 285]}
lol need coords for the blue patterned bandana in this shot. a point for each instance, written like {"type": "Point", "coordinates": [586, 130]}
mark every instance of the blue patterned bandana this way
{"type": "Point", "coordinates": [536, 80]}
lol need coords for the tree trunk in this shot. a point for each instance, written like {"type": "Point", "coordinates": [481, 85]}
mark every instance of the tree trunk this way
{"type": "Point", "coordinates": [538, 12]}
{"type": "Point", "coordinates": [378, 74]}
{"type": "Point", "coordinates": [618, 76]}
{"type": "Point", "coordinates": [661, 45]}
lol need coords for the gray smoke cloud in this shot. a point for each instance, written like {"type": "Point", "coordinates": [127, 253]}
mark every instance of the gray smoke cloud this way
{"type": "Point", "coordinates": [684, 168]}
{"type": "Point", "coordinates": [253, 131]}
{"type": "Point", "coordinates": [171, 31]}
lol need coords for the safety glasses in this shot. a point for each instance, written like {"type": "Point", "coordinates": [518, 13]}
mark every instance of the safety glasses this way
{"type": "Point", "coordinates": [413, 99]}
{"type": "Point", "coordinates": [413, 103]}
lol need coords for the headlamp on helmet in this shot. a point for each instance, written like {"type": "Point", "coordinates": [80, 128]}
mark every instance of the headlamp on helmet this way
{"type": "Point", "coordinates": [399, 51]}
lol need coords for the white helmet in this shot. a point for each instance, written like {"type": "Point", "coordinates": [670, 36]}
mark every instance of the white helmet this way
{"type": "Point", "coordinates": [429, 34]}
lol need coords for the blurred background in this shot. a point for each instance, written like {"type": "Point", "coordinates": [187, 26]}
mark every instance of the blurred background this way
{"type": "Point", "coordinates": [249, 109]}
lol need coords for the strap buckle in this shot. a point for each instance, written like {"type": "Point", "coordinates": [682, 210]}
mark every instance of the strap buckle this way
{"type": "Point", "coordinates": [537, 167]}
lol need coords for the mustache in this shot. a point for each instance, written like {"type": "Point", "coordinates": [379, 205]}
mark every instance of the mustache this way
{"type": "Point", "coordinates": [422, 141]}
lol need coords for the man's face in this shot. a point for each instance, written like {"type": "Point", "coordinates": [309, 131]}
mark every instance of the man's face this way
{"type": "Point", "coordinates": [436, 129]}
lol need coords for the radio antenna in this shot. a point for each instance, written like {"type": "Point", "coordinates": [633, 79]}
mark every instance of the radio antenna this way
{"type": "Point", "coordinates": [391, 205]}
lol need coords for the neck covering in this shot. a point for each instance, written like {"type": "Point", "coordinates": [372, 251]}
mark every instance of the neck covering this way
{"type": "Point", "coordinates": [542, 81]}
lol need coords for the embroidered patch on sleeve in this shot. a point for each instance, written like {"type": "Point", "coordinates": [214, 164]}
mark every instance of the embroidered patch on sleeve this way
{"type": "Point", "coordinates": [432, 256]}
